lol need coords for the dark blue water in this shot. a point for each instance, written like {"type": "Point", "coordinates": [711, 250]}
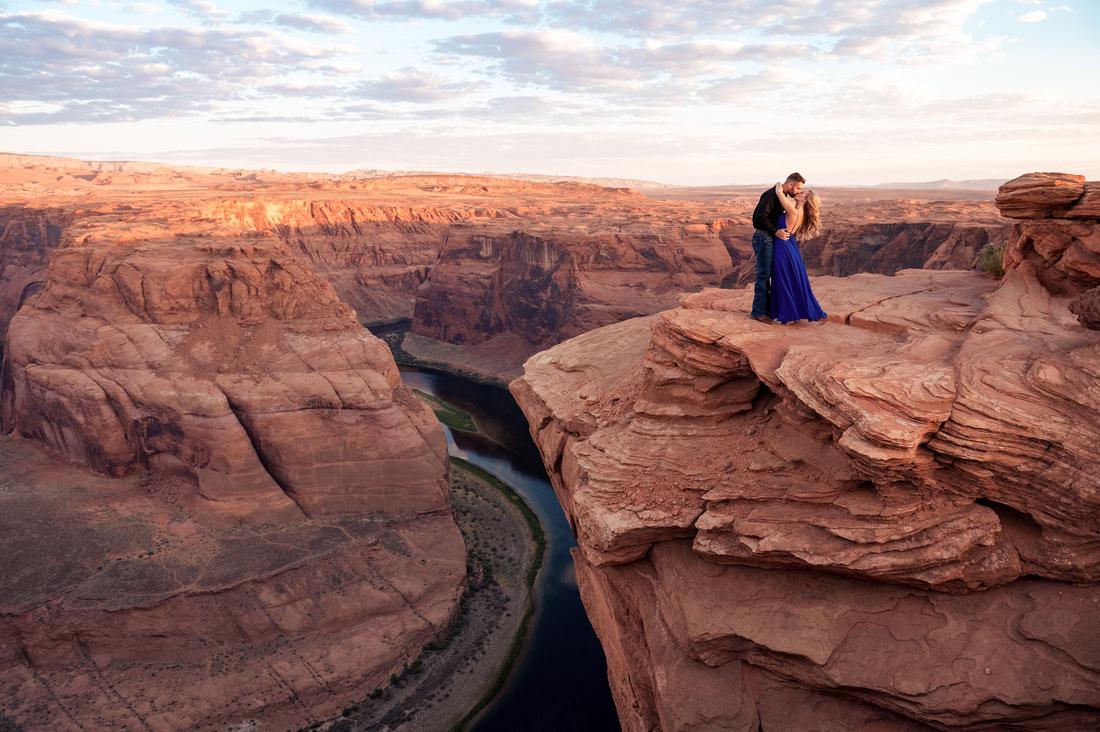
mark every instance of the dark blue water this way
{"type": "Point", "coordinates": [559, 681]}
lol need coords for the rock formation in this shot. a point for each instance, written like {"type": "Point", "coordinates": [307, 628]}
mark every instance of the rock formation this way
{"type": "Point", "coordinates": [887, 521]}
{"type": "Point", "coordinates": [27, 235]}
{"type": "Point", "coordinates": [548, 284]}
{"type": "Point", "coordinates": [506, 293]}
{"type": "Point", "coordinates": [375, 256]}
{"type": "Point", "coordinates": [265, 532]}
{"type": "Point", "coordinates": [886, 248]}
{"type": "Point", "coordinates": [499, 268]}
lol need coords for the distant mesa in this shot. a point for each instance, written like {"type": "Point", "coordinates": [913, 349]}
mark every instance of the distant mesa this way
{"type": "Point", "coordinates": [981, 184]}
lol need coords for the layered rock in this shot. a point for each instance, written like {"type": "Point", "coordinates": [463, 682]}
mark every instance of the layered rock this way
{"type": "Point", "coordinates": [375, 256]}
{"type": "Point", "coordinates": [891, 518]}
{"type": "Point", "coordinates": [504, 294]}
{"type": "Point", "coordinates": [27, 235]}
{"type": "Point", "coordinates": [272, 536]}
{"type": "Point", "coordinates": [1057, 234]}
{"type": "Point", "coordinates": [549, 284]}
{"type": "Point", "coordinates": [886, 248]}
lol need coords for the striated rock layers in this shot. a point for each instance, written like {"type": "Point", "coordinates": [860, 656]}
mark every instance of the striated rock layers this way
{"type": "Point", "coordinates": [886, 248]}
{"type": "Point", "coordinates": [887, 521]}
{"type": "Point", "coordinates": [266, 531]}
{"type": "Point", "coordinates": [374, 255]}
{"type": "Point", "coordinates": [549, 284]}
{"type": "Point", "coordinates": [27, 235]}
{"type": "Point", "coordinates": [503, 292]}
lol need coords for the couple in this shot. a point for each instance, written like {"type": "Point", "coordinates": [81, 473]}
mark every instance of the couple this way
{"type": "Point", "coordinates": [784, 215]}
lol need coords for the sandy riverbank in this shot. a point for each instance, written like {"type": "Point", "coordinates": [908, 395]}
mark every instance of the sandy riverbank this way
{"type": "Point", "coordinates": [458, 674]}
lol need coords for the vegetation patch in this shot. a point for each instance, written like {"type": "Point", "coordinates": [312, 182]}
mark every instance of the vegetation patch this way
{"type": "Point", "coordinates": [991, 259]}
{"type": "Point", "coordinates": [532, 572]}
{"type": "Point", "coordinates": [448, 413]}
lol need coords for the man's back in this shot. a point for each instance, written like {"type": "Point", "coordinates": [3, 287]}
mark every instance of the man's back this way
{"type": "Point", "coordinates": [766, 215]}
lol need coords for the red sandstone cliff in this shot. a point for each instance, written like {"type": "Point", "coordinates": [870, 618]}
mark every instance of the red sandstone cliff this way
{"type": "Point", "coordinates": [501, 267]}
{"type": "Point", "coordinates": [887, 521]}
{"type": "Point", "coordinates": [547, 284]}
{"type": "Point", "coordinates": [501, 291]}
{"type": "Point", "coordinates": [255, 521]}
{"type": "Point", "coordinates": [27, 236]}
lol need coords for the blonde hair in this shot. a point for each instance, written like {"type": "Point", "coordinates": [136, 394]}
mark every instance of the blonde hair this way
{"type": "Point", "coordinates": [810, 226]}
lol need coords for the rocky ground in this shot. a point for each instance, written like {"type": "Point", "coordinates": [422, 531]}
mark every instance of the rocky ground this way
{"type": "Point", "coordinates": [457, 672]}
{"type": "Point", "coordinates": [255, 524]}
{"type": "Point", "coordinates": [120, 610]}
{"type": "Point", "coordinates": [890, 520]}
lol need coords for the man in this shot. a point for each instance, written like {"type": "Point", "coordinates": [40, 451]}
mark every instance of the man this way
{"type": "Point", "coordinates": [765, 221]}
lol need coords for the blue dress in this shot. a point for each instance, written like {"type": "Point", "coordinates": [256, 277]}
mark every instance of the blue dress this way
{"type": "Point", "coordinates": [791, 298]}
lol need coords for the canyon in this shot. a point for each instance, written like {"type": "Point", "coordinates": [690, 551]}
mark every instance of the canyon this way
{"type": "Point", "coordinates": [220, 502]}
{"type": "Point", "coordinates": [889, 520]}
{"type": "Point", "coordinates": [215, 472]}
{"type": "Point", "coordinates": [488, 270]}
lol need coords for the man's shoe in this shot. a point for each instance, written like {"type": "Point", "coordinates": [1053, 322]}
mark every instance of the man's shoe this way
{"type": "Point", "coordinates": [763, 319]}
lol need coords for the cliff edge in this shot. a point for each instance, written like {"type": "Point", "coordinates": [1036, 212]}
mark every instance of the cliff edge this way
{"type": "Point", "coordinates": [220, 506]}
{"type": "Point", "coordinates": [887, 521]}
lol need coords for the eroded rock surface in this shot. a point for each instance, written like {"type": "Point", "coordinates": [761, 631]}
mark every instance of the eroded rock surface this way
{"type": "Point", "coordinates": [121, 609]}
{"type": "Point", "coordinates": [892, 516]}
{"type": "Point", "coordinates": [27, 235]}
{"type": "Point", "coordinates": [501, 268]}
{"type": "Point", "coordinates": [220, 503]}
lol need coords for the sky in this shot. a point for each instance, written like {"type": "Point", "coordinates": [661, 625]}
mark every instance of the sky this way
{"type": "Point", "coordinates": [701, 92]}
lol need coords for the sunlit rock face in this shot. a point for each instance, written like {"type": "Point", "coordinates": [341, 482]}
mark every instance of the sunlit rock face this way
{"type": "Point", "coordinates": [512, 286]}
{"type": "Point", "coordinates": [220, 503]}
{"type": "Point", "coordinates": [549, 284]}
{"type": "Point", "coordinates": [891, 519]}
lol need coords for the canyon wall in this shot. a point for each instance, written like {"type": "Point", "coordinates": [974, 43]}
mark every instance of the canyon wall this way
{"type": "Point", "coordinates": [239, 512]}
{"type": "Point", "coordinates": [886, 521]}
{"type": "Point", "coordinates": [375, 256]}
{"type": "Point", "coordinates": [886, 248]}
{"type": "Point", "coordinates": [547, 284]}
{"type": "Point", "coordinates": [27, 235]}
{"type": "Point", "coordinates": [500, 293]}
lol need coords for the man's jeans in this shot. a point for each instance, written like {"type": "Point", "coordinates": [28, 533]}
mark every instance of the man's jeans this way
{"type": "Point", "coordinates": [763, 246]}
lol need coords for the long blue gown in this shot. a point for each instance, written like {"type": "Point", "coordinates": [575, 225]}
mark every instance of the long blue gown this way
{"type": "Point", "coordinates": [791, 297]}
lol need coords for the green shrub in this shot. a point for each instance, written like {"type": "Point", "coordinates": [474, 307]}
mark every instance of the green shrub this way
{"type": "Point", "coordinates": [991, 259]}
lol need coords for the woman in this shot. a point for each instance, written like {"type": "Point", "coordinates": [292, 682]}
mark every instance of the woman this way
{"type": "Point", "coordinates": [791, 298]}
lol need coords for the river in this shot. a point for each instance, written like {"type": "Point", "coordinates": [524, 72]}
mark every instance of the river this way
{"type": "Point", "coordinates": [559, 681]}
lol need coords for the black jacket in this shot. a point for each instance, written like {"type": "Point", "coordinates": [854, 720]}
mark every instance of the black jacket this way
{"type": "Point", "coordinates": [766, 215]}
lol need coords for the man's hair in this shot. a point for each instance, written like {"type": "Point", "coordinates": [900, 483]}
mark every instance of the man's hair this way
{"type": "Point", "coordinates": [796, 178]}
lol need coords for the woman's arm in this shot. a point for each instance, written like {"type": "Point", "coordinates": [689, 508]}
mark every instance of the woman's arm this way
{"type": "Point", "coordinates": [785, 201]}
{"type": "Point", "coordinates": [792, 206]}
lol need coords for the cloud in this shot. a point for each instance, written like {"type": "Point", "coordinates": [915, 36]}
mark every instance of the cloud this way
{"type": "Point", "coordinates": [885, 29]}
{"type": "Point", "coordinates": [300, 89]}
{"type": "Point", "coordinates": [1034, 16]}
{"type": "Point", "coordinates": [746, 86]}
{"type": "Point", "coordinates": [203, 9]}
{"type": "Point", "coordinates": [515, 10]}
{"type": "Point", "coordinates": [98, 72]}
{"type": "Point", "coordinates": [313, 23]}
{"type": "Point", "coordinates": [412, 85]}
{"type": "Point", "coordinates": [569, 61]}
